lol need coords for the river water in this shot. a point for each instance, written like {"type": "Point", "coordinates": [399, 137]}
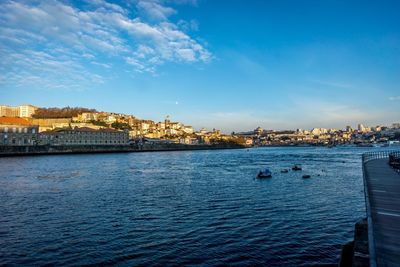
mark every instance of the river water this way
{"type": "Point", "coordinates": [180, 208]}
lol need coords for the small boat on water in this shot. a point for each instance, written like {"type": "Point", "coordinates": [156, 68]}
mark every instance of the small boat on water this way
{"type": "Point", "coordinates": [264, 174]}
{"type": "Point", "coordinates": [284, 171]}
{"type": "Point", "coordinates": [297, 167]}
{"type": "Point", "coordinates": [306, 176]}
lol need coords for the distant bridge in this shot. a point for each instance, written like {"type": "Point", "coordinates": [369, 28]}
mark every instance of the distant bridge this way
{"type": "Point", "coordinates": [382, 197]}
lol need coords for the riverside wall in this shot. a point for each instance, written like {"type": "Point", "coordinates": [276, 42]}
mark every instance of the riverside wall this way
{"type": "Point", "coordinates": [81, 149]}
{"type": "Point", "coordinates": [355, 253]}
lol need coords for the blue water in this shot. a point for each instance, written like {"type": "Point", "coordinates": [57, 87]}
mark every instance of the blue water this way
{"type": "Point", "coordinates": [180, 208]}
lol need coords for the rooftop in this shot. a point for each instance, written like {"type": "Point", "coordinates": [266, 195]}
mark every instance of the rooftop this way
{"type": "Point", "coordinates": [82, 129]}
{"type": "Point", "coordinates": [14, 121]}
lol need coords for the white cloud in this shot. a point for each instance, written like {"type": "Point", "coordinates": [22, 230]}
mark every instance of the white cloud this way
{"type": "Point", "coordinates": [105, 5]}
{"type": "Point", "coordinates": [67, 38]}
{"type": "Point", "coordinates": [29, 67]}
{"type": "Point", "coordinates": [394, 98]}
{"type": "Point", "coordinates": [186, 26]}
{"type": "Point", "coordinates": [154, 10]}
{"type": "Point", "coordinates": [183, 2]}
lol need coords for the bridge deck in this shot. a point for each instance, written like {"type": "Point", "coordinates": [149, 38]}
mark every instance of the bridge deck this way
{"type": "Point", "coordinates": [383, 185]}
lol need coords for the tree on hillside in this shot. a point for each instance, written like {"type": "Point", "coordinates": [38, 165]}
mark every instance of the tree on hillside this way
{"type": "Point", "coordinates": [121, 126]}
{"type": "Point", "coordinates": [66, 112]}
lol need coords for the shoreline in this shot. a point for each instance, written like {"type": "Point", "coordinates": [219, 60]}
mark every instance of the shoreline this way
{"type": "Point", "coordinates": [16, 151]}
{"type": "Point", "coordinates": [28, 150]}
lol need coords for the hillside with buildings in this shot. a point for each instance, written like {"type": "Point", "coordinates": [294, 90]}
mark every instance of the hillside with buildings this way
{"type": "Point", "coordinates": [67, 126]}
{"type": "Point", "coordinates": [30, 125]}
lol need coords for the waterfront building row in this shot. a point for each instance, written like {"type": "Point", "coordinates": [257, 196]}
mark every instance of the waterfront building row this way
{"type": "Point", "coordinates": [84, 136]}
{"type": "Point", "coordinates": [18, 131]}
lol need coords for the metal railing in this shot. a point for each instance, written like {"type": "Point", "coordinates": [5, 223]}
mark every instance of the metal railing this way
{"type": "Point", "coordinates": [380, 155]}
{"type": "Point", "coordinates": [371, 240]}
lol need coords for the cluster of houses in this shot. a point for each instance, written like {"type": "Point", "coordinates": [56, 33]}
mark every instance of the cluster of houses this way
{"type": "Point", "coordinates": [362, 136]}
{"type": "Point", "coordinates": [99, 128]}
{"type": "Point", "coordinates": [17, 127]}
{"type": "Point", "coordinates": [136, 127]}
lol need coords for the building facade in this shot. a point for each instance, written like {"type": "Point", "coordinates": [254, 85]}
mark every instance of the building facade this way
{"type": "Point", "coordinates": [8, 111]}
{"type": "Point", "coordinates": [24, 111]}
{"type": "Point", "coordinates": [84, 136]}
{"type": "Point", "coordinates": [17, 131]}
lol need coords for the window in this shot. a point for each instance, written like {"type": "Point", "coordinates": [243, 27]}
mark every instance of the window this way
{"type": "Point", "coordinates": [25, 130]}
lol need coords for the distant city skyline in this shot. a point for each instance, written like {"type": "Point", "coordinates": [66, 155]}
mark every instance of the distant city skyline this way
{"type": "Point", "coordinates": [236, 66]}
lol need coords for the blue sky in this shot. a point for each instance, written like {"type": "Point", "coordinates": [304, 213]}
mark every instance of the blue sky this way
{"type": "Point", "coordinates": [232, 65]}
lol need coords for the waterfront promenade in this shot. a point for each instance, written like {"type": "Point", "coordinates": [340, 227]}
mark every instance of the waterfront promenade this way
{"type": "Point", "coordinates": [382, 193]}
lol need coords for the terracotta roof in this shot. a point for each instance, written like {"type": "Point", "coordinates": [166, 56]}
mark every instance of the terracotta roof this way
{"type": "Point", "coordinates": [82, 129]}
{"type": "Point", "coordinates": [87, 129]}
{"type": "Point", "coordinates": [14, 121]}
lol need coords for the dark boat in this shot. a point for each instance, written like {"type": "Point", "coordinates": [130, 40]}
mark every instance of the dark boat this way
{"type": "Point", "coordinates": [296, 167]}
{"type": "Point", "coordinates": [284, 171]}
{"type": "Point", "coordinates": [306, 176]}
{"type": "Point", "coordinates": [264, 174]}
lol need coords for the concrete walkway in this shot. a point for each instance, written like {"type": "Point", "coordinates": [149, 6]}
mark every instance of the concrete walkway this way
{"type": "Point", "coordinates": [383, 185]}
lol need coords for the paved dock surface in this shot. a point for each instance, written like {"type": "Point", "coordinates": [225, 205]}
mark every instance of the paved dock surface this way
{"type": "Point", "coordinates": [383, 185]}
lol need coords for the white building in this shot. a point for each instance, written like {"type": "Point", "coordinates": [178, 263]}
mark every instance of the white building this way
{"type": "Point", "coordinates": [319, 131]}
{"type": "Point", "coordinates": [111, 119]}
{"type": "Point", "coordinates": [26, 111]}
{"type": "Point", "coordinates": [188, 129]}
{"type": "Point", "coordinates": [361, 128]}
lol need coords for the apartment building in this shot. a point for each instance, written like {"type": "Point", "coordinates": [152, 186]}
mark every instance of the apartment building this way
{"type": "Point", "coordinates": [23, 111]}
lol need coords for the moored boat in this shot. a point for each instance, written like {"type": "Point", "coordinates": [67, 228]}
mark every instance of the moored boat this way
{"type": "Point", "coordinates": [297, 167]}
{"type": "Point", "coordinates": [264, 174]}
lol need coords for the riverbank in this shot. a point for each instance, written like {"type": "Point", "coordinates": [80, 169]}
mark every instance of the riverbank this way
{"type": "Point", "coordinates": [9, 151]}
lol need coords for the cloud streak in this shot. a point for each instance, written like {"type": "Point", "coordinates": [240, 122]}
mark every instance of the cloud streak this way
{"type": "Point", "coordinates": [53, 40]}
{"type": "Point", "coordinates": [333, 84]}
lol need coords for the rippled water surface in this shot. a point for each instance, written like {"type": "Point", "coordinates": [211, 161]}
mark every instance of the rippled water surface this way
{"type": "Point", "coordinates": [180, 208]}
